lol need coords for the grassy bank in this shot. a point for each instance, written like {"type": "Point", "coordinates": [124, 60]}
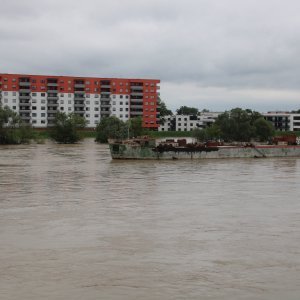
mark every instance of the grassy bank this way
{"type": "Point", "coordinates": [44, 134]}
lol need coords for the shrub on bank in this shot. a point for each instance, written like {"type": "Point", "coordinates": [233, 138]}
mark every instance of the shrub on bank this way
{"type": "Point", "coordinates": [66, 128]}
{"type": "Point", "coordinates": [12, 129]}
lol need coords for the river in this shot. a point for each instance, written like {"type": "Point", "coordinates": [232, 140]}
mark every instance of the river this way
{"type": "Point", "coordinates": [76, 225]}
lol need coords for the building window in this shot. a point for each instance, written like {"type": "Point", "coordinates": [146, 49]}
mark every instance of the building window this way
{"type": "Point", "coordinates": [121, 96]}
{"type": "Point", "coordinates": [33, 114]}
{"type": "Point", "coordinates": [43, 94]}
{"type": "Point", "coordinates": [69, 102]}
{"type": "Point", "coordinates": [96, 116]}
{"type": "Point", "coordinates": [43, 108]}
{"type": "Point", "coordinates": [43, 101]}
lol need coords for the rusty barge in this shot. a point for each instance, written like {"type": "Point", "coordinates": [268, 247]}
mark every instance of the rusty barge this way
{"type": "Point", "coordinates": [147, 148]}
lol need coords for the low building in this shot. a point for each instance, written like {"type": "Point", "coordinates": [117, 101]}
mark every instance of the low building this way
{"type": "Point", "coordinates": [283, 121]}
{"type": "Point", "coordinates": [188, 122]}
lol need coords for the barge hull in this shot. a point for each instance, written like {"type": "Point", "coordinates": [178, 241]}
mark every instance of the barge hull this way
{"type": "Point", "coordinates": [145, 153]}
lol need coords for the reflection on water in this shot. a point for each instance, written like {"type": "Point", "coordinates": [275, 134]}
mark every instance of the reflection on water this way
{"type": "Point", "coordinates": [76, 225]}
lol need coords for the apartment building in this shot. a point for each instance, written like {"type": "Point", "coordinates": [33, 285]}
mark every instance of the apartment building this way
{"type": "Point", "coordinates": [37, 98]}
{"type": "Point", "coordinates": [188, 122]}
{"type": "Point", "coordinates": [283, 121]}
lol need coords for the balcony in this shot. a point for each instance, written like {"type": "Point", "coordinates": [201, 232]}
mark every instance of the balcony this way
{"type": "Point", "coordinates": [55, 98]}
{"type": "Point", "coordinates": [49, 91]}
{"type": "Point", "coordinates": [106, 86]}
{"type": "Point", "coordinates": [105, 105]}
{"type": "Point", "coordinates": [25, 104]}
{"type": "Point", "coordinates": [51, 110]}
{"type": "Point", "coordinates": [24, 90]}
{"type": "Point", "coordinates": [79, 85]}
{"type": "Point", "coordinates": [105, 112]}
{"type": "Point", "coordinates": [106, 98]}
{"type": "Point", "coordinates": [105, 93]}
{"type": "Point", "coordinates": [136, 94]}
{"type": "Point", "coordinates": [79, 92]}
{"type": "Point", "coordinates": [24, 110]}
{"type": "Point", "coordinates": [136, 87]}
{"type": "Point", "coordinates": [24, 83]}
{"type": "Point", "coordinates": [136, 113]}
{"type": "Point", "coordinates": [136, 106]}
{"type": "Point", "coordinates": [133, 101]}
{"type": "Point", "coordinates": [80, 112]}
{"type": "Point", "coordinates": [79, 105]}
{"type": "Point", "coordinates": [52, 103]}
{"type": "Point", "coordinates": [25, 117]}
{"type": "Point", "coordinates": [23, 97]}
{"type": "Point", "coordinates": [50, 84]}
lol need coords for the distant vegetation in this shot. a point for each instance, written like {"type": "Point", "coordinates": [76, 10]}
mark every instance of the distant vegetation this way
{"type": "Point", "coordinates": [66, 128]}
{"type": "Point", "coordinates": [12, 130]}
{"type": "Point", "coordinates": [114, 128]}
{"type": "Point", "coordinates": [237, 125]}
{"type": "Point", "coordinates": [186, 110]}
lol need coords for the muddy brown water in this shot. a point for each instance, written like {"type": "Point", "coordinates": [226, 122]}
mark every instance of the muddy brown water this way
{"type": "Point", "coordinates": [76, 225]}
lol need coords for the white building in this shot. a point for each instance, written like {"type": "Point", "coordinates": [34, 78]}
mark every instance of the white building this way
{"type": "Point", "coordinates": [188, 122]}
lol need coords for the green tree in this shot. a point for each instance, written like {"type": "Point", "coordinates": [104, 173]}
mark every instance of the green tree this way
{"type": "Point", "coordinates": [237, 124]}
{"type": "Point", "coordinates": [264, 130]}
{"type": "Point", "coordinates": [12, 130]}
{"type": "Point", "coordinates": [163, 111]}
{"type": "Point", "coordinates": [111, 128]}
{"type": "Point", "coordinates": [136, 127]}
{"type": "Point", "coordinates": [66, 128]}
{"type": "Point", "coordinates": [185, 110]}
{"type": "Point", "coordinates": [206, 134]}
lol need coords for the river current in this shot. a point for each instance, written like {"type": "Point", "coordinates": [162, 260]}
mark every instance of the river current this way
{"type": "Point", "coordinates": [76, 225]}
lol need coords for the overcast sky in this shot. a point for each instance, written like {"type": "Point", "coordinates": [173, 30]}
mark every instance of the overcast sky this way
{"type": "Point", "coordinates": [213, 54]}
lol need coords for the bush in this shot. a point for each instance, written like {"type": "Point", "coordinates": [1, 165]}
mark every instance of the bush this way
{"type": "Point", "coordinates": [66, 128]}
{"type": "Point", "coordinates": [12, 130]}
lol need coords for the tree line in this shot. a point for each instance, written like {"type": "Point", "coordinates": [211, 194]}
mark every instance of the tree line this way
{"type": "Point", "coordinates": [234, 125]}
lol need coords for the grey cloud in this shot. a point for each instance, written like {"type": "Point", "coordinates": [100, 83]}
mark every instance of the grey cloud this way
{"type": "Point", "coordinates": [229, 44]}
